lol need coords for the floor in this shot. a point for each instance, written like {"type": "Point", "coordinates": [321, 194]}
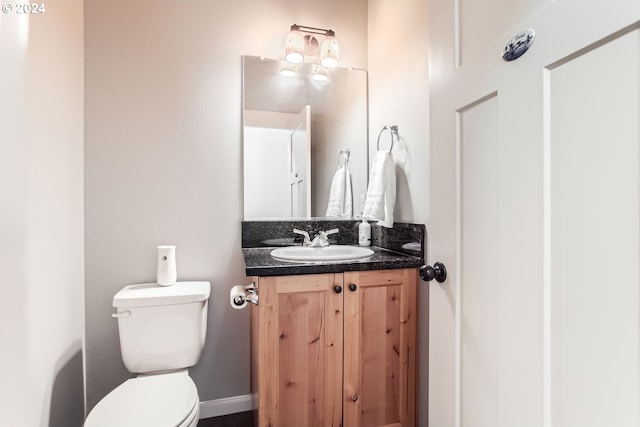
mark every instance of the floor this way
{"type": "Point", "coordinates": [242, 419]}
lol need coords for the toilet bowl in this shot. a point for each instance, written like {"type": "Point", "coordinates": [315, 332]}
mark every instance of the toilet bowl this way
{"type": "Point", "coordinates": [149, 400]}
{"type": "Point", "coordinates": [162, 331]}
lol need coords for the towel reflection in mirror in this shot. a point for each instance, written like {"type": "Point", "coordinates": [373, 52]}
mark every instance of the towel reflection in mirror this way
{"type": "Point", "coordinates": [341, 194]}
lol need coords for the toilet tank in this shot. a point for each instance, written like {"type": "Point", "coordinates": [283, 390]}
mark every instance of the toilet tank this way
{"type": "Point", "coordinates": [162, 328]}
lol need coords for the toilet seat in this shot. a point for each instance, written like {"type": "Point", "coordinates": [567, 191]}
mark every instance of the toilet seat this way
{"type": "Point", "coordinates": [169, 400]}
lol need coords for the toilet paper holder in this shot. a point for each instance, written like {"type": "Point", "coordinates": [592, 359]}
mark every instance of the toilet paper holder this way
{"type": "Point", "coordinates": [250, 295]}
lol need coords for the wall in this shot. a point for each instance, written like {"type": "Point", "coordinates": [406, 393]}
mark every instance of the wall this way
{"type": "Point", "coordinates": [163, 158]}
{"type": "Point", "coordinates": [398, 94]}
{"type": "Point", "coordinates": [41, 182]}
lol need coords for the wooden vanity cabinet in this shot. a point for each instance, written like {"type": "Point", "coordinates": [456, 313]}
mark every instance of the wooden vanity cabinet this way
{"type": "Point", "coordinates": [336, 349]}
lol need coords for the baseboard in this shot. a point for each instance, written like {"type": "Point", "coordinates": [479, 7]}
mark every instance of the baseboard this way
{"type": "Point", "coordinates": [226, 406]}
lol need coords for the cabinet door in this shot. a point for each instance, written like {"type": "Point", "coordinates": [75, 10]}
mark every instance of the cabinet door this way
{"type": "Point", "coordinates": [380, 327]}
{"type": "Point", "coordinates": [301, 362]}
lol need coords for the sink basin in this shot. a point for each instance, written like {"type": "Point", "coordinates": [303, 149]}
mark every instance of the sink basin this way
{"type": "Point", "coordinates": [320, 254]}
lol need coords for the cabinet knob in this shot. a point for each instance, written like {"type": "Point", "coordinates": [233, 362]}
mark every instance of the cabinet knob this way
{"type": "Point", "coordinates": [352, 287]}
{"type": "Point", "coordinates": [338, 289]}
{"type": "Point", "coordinates": [354, 397]}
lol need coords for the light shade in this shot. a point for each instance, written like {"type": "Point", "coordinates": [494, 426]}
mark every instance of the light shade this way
{"type": "Point", "coordinates": [288, 69]}
{"type": "Point", "coordinates": [294, 48]}
{"type": "Point", "coordinates": [329, 52]}
{"type": "Point", "coordinates": [319, 73]}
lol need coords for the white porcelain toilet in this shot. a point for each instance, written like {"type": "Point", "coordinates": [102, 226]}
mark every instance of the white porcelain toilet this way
{"type": "Point", "coordinates": [162, 333]}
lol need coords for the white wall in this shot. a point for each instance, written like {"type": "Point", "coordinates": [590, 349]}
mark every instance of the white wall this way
{"type": "Point", "coordinates": [164, 162]}
{"type": "Point", "coordinates": [399, 94]}
{"type": "Point", "coordinates": [41, 175]}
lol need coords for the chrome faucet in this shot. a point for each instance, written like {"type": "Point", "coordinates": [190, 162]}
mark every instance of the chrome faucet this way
{"type": "Point", "coordinates": [321, 240]}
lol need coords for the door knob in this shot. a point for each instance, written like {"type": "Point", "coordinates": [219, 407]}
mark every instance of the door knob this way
{"type": "Point", "coordinates": [438, 272]}
{"type": "Point", "coordinates": [337, 289]}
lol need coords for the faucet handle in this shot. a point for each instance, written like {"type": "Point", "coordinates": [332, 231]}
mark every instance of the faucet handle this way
{"type": "Point", "coordinates": [321, 239]}
{"type": "Point", "coordinates": [307, 239]}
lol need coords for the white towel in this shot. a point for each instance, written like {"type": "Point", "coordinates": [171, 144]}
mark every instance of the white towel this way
{"type": "Point", "coordinates": [340, 197]}
{"type": "Point", "coordinates": [381, 193]}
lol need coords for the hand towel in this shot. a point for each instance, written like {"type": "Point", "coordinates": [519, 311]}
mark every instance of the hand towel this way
{"type": "Point", "coordinates": [381, 193]}
{"type": "Point", "coordinates": [340, 197]}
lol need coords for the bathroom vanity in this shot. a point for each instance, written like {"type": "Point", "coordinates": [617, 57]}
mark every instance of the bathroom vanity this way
{"type": "Point", "coordinates": [335, 343]}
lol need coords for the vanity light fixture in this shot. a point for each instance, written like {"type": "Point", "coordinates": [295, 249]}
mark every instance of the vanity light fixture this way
{"type": "Point", "coordinates": [302, 43]}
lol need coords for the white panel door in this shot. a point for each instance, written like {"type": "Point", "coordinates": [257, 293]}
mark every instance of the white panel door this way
{"type": "Point", "coordinates": [300, 164]}
{"type": "Point", "coordinates": [535, 210]}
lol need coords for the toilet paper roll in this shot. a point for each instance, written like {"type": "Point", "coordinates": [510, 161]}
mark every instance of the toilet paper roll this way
{"type": "Point", "coordinates": [167, 274]}
{"type": "Point", "coordinates": [238, 297]}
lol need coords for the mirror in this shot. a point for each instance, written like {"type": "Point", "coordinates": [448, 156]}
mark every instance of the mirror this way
{"type": "Point", "coordinates": [294, 130]}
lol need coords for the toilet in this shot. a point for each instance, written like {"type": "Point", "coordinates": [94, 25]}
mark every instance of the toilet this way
{"type": "Point", "coordinates": [162, 333]}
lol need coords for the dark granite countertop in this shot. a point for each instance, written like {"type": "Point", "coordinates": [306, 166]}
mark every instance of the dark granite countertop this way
{"type": "Point", "coordinates": [259, 262]}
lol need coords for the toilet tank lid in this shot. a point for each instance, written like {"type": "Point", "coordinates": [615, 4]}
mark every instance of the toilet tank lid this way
{"type": "Point", "coordinates": [150, 294]}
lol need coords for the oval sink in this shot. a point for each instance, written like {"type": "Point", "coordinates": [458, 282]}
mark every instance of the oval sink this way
{"type": "Point", "coordinates": [327, 253]}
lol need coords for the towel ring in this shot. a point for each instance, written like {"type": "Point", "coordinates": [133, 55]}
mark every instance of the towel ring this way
{"type": "Point", "coordinates": [394, 130]}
